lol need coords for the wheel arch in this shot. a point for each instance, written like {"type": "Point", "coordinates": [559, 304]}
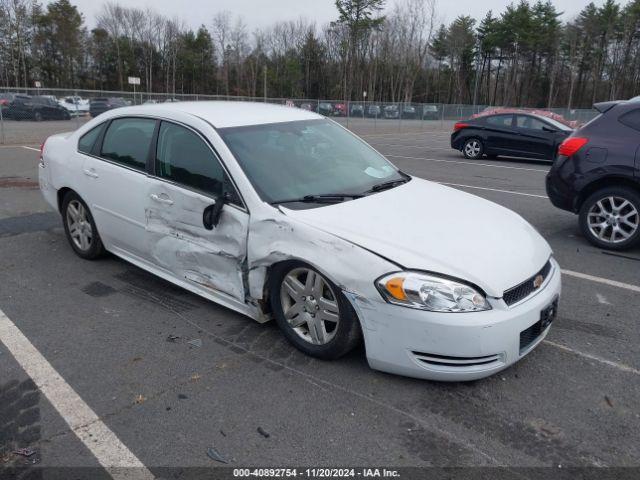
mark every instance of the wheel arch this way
{"type": "Point", "coordinates": [61, 193]}
{"type": "Point", "coordinates": [269, 275]}
{"type": "Point", "coordinates": [602, 183]}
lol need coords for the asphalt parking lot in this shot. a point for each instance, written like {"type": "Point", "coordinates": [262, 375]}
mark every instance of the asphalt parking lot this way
{"type": "Point", "coordinates": [172, 375]}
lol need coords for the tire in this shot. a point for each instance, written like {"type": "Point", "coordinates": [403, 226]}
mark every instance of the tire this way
{"type": "Point", "coordinates": [473, 149]}
{"type": "Point", "coordinates": [610, 218]}
{"type": "Point", "coordinates": [37, 116]}
{"type": "Point", "coordinates": [301, 329]}
{"type": "Point", "coordinates": [83, 237]}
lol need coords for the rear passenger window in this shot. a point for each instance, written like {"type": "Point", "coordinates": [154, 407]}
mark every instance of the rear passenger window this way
{"type": "Point", "coordinates": [127, 141]}
{"type": "Point", "coordinates": [631, 119]}
{"type": "Point", "coordinates": [184, 158]}
{"type": "Point", "coordinates": [525, 121]}
{"type": "Point", "coordinates": [85, 145]}
{"type": "Point", "coordinates": [500, 120]}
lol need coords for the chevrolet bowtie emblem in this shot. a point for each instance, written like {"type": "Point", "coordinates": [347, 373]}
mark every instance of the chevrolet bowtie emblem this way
{"type": "Point", "coordinates": [537, 282]}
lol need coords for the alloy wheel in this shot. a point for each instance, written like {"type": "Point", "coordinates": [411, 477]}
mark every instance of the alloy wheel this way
{"type": "Point", "coordinates": [472, 148]}
{"type": "Point", "coordinates": [613, 219]}
{"type": "Point", "coordinates": [310, 306]}
{"type": "Point", "coordinates": [79, 225]}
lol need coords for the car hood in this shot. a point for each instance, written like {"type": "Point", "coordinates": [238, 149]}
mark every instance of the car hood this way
{"type": "Point", "coordinates": [426, 226]}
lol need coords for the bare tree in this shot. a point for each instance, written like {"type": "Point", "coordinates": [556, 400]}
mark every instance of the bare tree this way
{"type": "Point", "coordinates": [221, 34]}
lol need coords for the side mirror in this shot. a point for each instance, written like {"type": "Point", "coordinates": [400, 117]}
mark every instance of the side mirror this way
{"type": "Point", "coordinates": [211, 214]}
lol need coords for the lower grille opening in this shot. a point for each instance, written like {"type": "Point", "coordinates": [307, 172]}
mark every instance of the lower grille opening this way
{"type": "Point", "coordinates": [530, 335]}
{"type": "Point", "coordinates": [448, 361]}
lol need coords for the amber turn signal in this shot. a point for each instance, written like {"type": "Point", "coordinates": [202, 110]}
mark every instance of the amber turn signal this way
{"type": "Point", "coordinates": [394, 287]}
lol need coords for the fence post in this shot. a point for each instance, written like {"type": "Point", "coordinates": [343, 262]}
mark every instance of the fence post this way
{"type": "Point", "coordinates": [348, 112]}
{"type": "Point", "coordinates": [75, 103]}
{"type": "Point", "coordinates": [2, 139]}
{"type": "Point", "coordinates": [375, 121]}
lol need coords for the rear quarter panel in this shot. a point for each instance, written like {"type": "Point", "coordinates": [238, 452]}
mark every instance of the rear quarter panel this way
{"type": "Point", "coordinates": [63, 164]}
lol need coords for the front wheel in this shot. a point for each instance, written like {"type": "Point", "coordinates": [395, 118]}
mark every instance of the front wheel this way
{"type": "Point", "coordinates": [472, 149]}
{"type": "Point", "coordinates": [80, 228]}
{"type": "Point", "coordinates": [312, 312]}
{"type": "Point", "coordinates": [37, 117]}
{"type": "Point", "coordinates": [610, 218]}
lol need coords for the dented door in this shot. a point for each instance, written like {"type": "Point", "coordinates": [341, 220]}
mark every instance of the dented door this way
{"type": "Point", "coordinates": [187, 179]}
{"type": "Point", "coordinates": [212, 260]}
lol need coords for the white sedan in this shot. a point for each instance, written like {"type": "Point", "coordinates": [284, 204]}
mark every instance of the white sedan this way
{"type": "Point", "coordinates": [281, 213]}
{"type": "Point", "coordinates": [76, 106]}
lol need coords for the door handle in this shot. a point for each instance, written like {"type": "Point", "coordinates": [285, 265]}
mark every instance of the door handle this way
{"type": "Point", "coordinates": [161, 199]}
{"type": "Point", "coordinates": [91, 173]}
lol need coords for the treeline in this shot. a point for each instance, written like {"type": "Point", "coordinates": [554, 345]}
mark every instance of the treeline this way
{"type": "Point", "coordinates": [524, 56]}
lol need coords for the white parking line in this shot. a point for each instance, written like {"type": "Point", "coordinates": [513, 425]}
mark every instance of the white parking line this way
{"type": "Point", "coordinates": [491, 189]}
{"type": "Point", "coordinates": [112, 454]}
{"type": "Point", "coordinates": [430, 145]}
{"type": "Point", "coordinates": [31, 148]}
{"type": "Point", "coordinates": [467, 163]}
{"type": "Point", "coordinates": [371, 135]}
{"type": "Point", "coordinates": [619, 366]}
{"type": "Point", "coordinates": [604, 281]}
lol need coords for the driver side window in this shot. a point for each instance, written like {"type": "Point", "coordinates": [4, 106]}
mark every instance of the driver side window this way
{"type": "Point", "coordinates": [184, 158]}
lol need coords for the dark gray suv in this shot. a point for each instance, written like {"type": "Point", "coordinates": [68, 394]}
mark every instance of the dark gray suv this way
{"type": "Point", "coordinates": [597, 175]}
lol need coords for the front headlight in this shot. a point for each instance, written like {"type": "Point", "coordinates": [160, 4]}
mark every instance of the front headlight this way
{"type": "Point", "coordinates": [430, 292]}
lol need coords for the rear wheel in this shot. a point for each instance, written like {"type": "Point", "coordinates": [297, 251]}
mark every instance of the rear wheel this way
{"type": "Point", "coordinates": [312, 312]}
{"type": "Point", "coordinates": [472, 149]}
{"type": "Point", "coordinates": [80, 228]}
{"type": "Point", "coordinates": [37, 116]}
{"type": "Point", "coordinates": [610, 218]}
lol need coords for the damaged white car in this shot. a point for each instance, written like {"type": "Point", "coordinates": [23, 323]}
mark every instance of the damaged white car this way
{"type": "Point", "coordinates": [281, 213]}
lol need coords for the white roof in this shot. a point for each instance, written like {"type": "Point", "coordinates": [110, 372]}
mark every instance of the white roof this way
{"type": "Point", "coordinates": [222, 114]}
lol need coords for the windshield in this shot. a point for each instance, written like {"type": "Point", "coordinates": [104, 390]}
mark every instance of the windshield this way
{"type": "Point", "coordinates": [292, 160]}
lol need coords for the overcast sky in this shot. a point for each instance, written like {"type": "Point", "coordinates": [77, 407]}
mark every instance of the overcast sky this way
{"type": "Point", "coordinates": [261, 13]}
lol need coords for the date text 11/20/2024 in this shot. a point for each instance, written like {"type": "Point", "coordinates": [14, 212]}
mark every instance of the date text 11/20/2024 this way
{"type": "Point", "coordinates": [316, 472]}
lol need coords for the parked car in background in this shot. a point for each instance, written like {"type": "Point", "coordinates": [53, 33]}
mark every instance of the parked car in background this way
{"type": "Point", "coordinates": [597, 176]}
{"type": "Point", "coordinates": [374, 111]}
{"type": "Point", "coordinates": [150, 102]}
{"type": "Point", "coordinates": [201, 193]}
{"type": "Point", "coordinates": [340, 110]}
{"type": "Point", "coordinates": [325, 108]}
{"type": "Point", "coordinates": [513, 135]}
{"type": "Point", "coordinates": [391, 112]}
{"type": "Point", "coordinates": [101, 105]}
{"type": "Point", "coordinates": [24, 107]}
{"type": "Point", "coordinates": [430, 112]}
{"type": "Point", "coordinates": [5, 100]}
{"type": "Point", "coordinates": [408, 111]}
{"type": "Point", "coordinates": [357, 110]}
{"type": "Point", "coordinates": [307, 106]}
{"type": "Point", "coordinates": [76, 106]}
{"type": "Point", "coordinates": [540, 112]}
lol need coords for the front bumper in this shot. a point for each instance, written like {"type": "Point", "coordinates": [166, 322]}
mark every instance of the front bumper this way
{"type": "Point", "coordinates": [453, 346]}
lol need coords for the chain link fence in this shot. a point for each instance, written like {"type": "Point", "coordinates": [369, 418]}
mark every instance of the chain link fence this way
{"type": "Point", "coordinates": [28, 116]}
